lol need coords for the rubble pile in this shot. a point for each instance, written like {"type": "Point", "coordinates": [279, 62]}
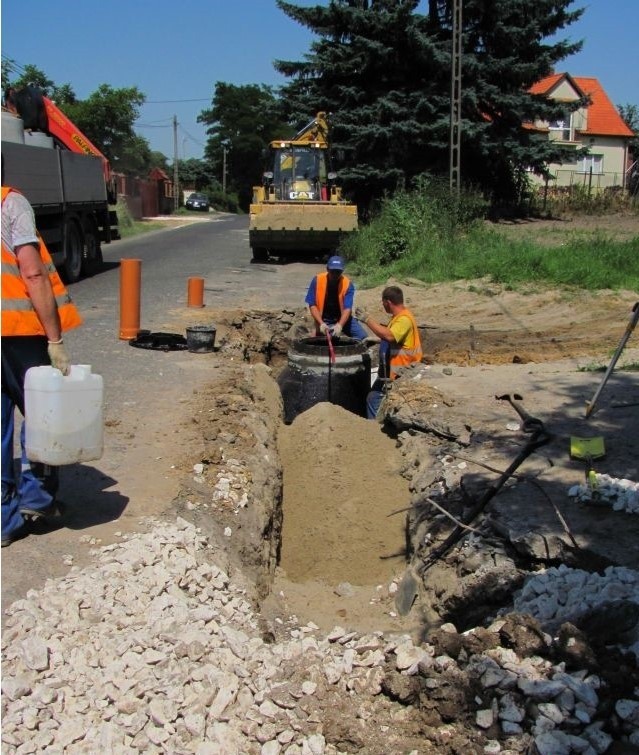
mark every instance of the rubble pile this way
{"type": "Point", "coordinates": [618, 493]}
{"type": "Point", "coordinates": [155, 650]}
{"type": "Point", "coordinates": [563, 594]}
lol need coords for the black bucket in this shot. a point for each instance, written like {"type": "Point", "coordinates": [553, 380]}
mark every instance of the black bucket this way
{"type": "Point", "coordinates": [310, 376]}
{"type": "Point", "coordinates": [200, 338]}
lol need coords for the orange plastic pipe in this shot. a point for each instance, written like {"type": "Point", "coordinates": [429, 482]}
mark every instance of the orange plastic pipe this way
{"type": "Point", "coordinates": [130, 276]}
{"type": "Point", "coordinates": [195, 292]}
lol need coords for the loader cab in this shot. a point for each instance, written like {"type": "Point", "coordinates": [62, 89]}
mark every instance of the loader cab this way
{"type": "Point", "coordinates": [299, 172]}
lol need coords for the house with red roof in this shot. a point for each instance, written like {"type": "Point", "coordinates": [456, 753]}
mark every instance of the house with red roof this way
{"type": "Point", "coordinates": [597, 126]}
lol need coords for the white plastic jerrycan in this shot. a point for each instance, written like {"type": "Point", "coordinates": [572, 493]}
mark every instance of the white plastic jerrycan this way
{"type": "Point", "coordinates": [63, 415]}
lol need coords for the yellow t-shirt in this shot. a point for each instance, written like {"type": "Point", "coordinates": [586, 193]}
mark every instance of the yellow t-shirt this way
{"type": "Point", "coordinates": [402, 329]}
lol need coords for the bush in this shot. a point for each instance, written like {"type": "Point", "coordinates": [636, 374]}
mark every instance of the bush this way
{"type": "Point", "coordinates": [434, 236]}
{"type": "Point", "coordinates": [223, 202]}
{"type": "Point", "coordinates": [125, 219]}
{"type": "Point", "coordinates": [579, 200]}
{"type": "Point", "coordinates": [410, 223]}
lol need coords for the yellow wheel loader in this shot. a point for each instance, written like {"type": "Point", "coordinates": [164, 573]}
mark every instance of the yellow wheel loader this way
{"type": "Point", "coordinates": [299, 209]}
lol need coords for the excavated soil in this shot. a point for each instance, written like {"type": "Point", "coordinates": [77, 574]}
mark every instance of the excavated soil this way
{"type": "Point", "coordinates": [352, 535]}
{"type": "Point", "coordinates": [347, 483]}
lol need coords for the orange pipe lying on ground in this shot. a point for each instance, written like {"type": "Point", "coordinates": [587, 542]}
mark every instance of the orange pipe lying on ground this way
{"type": "Point", "coordinates": [195, 292]}
{"type": "Point", "coordinates": [130, 277]}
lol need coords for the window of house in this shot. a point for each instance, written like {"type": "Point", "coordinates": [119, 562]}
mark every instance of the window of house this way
{"type": "Point", "coordinates": [562, 128]}
{"type": "Point", "coordinates": [590, 162]}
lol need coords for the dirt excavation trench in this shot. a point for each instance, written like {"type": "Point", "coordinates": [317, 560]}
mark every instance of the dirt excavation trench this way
{"type": "Point", "coordinates": [343, 544]}
{"type": "Point", "coordinates": [308, 591]}
{"type": "Point", "coordinates": [336, 527]}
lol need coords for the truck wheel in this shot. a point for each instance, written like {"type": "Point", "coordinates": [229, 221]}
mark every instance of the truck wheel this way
{"type": "Point", "coordinates": [92, 253]}
{"type": "Point", "coordinates": [73, 253]}
{"type": "Point", "coordinates": [260, 254]}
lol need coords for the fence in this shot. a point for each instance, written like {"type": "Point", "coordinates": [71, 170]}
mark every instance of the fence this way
{"type": "Point", "coordinates": [591, 181]}
{"type": "Point", "coordinates": [146, 197]}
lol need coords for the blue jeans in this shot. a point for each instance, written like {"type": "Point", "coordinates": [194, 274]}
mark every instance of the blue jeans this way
{"type": "Point", "coordinates": [374, 399]}
{"type": "Point", "coordinates": [36, 485]}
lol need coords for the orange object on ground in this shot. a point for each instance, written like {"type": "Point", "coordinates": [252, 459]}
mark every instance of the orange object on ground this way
{"type": "Point", "coordinates": [195, 292]}
{"type": "Point", "coordinates": [130, 278]}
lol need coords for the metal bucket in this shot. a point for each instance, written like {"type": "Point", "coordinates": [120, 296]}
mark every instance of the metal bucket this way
{"type": "Point", "coordinates": [310, 376]}
{"type": "Point", "coordinates": [200, 338]}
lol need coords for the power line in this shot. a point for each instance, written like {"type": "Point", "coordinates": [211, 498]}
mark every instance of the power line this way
{"type": "Point", "coordinates": [166, 102]}
{"type": "Point", "coordinates": [192, 138]}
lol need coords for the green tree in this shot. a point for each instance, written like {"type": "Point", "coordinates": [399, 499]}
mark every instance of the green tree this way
{"type": "Point", "coordinates": [107, 118]}
{"type": "Point", "coordinates": [197, 174]}
{"type": "Point", "coordinates": [384, 71]}
{"type": "Point", "coordinates": [630, 114]}
{"type": "Point", "coordinates": [242, 121]}
{"type": "Point", "coordinates": [159, 160]}
{"type": "Point", "coordinates": [33, 76]}
{"type": "Point", "coordinates": [134, 157]}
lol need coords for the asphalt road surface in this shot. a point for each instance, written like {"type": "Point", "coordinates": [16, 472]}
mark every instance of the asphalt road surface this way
{"type": "Point", "coordinates": [216, 250]}
{"type": "Point", "coordinates": [145, 390]}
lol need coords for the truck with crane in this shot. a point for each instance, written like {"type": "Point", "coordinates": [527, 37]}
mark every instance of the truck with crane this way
{"type": "Point", "coordinates": [65, 177]}
{"type": "Point", "coordinates": [299, 208]}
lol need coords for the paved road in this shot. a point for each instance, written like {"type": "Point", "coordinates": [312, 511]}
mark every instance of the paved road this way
{"type": "Point", "coordinates": [215, 250]}
{"type": "Point", "coordinates": [146, 392]}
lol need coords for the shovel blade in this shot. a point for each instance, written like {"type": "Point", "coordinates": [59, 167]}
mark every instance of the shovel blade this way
{"type": "Point", "coordinates": [587, 448]}
{"type": "Point", "coordinates": [407, 591]}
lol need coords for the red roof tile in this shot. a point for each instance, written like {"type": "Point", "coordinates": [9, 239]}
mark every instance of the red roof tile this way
{"type": "Point", "coordinates": [603, 118]}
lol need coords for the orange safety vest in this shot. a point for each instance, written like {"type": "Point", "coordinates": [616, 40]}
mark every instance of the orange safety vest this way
{"type": "Point", "coordinates": [321, 284]}
{"type": "Point", "coordinates": [401, 356]}
{"type": "Point", "coordinates": [19, 318]}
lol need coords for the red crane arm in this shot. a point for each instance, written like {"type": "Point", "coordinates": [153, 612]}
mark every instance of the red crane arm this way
{"type": "Point", "coordinates": [70, 135]}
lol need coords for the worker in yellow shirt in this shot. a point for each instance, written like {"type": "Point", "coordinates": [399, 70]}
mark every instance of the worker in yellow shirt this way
{"type": "Point", "coordinates": [400, 345]}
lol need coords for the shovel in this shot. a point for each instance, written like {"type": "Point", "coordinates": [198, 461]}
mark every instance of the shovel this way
{"type": "Point", "coordinates": [407, 591]}
{"type": "Point", "coordinates": [634, 318]}
{"type": "Point", "coordinates": [588, 449]}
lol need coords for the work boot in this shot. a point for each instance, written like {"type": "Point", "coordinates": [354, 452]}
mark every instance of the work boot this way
{"type": "Point", "coordinates": [52, 511]}
{"type": "Point", "coordinates": [18, 534]}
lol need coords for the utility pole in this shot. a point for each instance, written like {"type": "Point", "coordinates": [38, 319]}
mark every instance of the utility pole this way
{"type": "Point", "coordinates": [176, 200]}
{"type": "Point", "coordinates": [455, 98]}
{"type": "Point", "coordinates": [224, 169]}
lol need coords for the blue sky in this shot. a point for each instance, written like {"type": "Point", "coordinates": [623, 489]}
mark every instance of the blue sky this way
{"type": "Point", "coordinates": [174, 52]}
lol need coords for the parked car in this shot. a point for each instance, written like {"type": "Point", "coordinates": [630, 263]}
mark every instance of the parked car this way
{"type": "Point", "coordinates": [197, 201]}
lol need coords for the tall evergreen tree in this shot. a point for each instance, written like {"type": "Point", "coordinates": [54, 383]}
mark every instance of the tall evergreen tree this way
{"type": "Point", "coordinates": [242, 121]}
{"type": "Point", "coordinates": [384, 70]}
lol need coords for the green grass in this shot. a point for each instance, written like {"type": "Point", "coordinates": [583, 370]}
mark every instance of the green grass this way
{"type": "Point", "coordinates": [431, 236]}
{"type": "Point", "coordinates": [619, 367]}
{"type": "Point", "coordinates": [128, 226]}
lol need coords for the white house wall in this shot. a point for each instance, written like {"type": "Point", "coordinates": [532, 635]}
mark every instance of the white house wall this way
{"type": "Point", "coordinates": [573, 173]}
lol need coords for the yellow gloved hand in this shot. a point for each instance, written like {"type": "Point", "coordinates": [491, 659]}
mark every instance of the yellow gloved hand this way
{"type": "Point", "coordinates": [361, 314]}
{"type": "Point", "coordinates": [58, 356]}
{"type": "Point", "coordinates": [336, 330]}
{"type": "Point", "coordinates": [323, 328]}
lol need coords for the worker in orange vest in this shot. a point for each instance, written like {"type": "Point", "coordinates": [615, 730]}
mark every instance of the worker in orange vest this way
{"type": "Point", "coordinates": [36, 310]}
{"type": "Point", "coordinates": [400, 345]}
{"type": "Point", "coordinates": [330, 302]}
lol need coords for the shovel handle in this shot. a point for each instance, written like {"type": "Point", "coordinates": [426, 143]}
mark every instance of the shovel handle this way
{"type": "Point", "coordinates": [634, 318]}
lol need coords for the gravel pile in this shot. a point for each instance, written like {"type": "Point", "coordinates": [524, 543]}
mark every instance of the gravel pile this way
{"type": "Point", "coordinates": [618, 493]}
{"type": "Point", "coordinates": [155, 650]}
{"type": "Point", "coordinates": [562, 594]}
